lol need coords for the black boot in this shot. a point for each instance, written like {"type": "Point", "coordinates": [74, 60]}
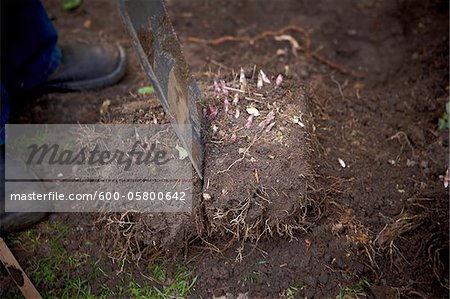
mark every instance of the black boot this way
{"type": "Point", "coordinates": [86, 66]}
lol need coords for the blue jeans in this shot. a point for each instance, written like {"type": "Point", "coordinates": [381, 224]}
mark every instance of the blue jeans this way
{"type": "Point", "coordinates": [29, 52]}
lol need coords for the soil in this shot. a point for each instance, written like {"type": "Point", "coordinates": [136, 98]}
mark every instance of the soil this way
{"type": "Point", "coordinates": [146, 38]}
{"type": "Point", "coordinates": [248, 194]}
{"type": "Point", "coordinates": [383, 218]}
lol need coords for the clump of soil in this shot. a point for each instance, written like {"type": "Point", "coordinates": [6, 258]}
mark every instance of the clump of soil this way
{"type": "Point", "coordinates": [257, 151]}
{"type": "Point", "coordinates": [257, 144]}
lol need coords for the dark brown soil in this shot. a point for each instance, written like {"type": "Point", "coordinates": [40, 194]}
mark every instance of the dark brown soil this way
{"type": "Point", "coordinates": [146, 38]}
{"type": "Point", "coordinates": [383, 218]}
{"type": "Point", "coordinates": [248, 193]}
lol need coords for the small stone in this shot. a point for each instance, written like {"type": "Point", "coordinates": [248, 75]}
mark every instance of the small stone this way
{"type": "Point", "coordinates": [207, 196]}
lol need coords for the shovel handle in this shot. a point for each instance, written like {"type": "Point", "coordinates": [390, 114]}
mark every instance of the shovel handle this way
{"type": "Point", "coordinates": [16, 272]}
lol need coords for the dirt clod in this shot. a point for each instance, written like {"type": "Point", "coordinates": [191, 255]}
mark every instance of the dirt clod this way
{"type": "Point", "coordinates": [377, 227]}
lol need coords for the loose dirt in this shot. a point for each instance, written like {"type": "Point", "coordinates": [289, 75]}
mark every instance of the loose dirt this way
{"type": "Point", "coordinates": [280, 211]}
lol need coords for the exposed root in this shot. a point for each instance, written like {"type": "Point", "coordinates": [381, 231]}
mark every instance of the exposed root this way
{"type": "Point", "coordinates": [279, 35]}
{"type": "Point", "coordinates": [385, 240]}
{"type": "Point", "coordinates": [125, 251]}
{"type": "Point", "coordinates": [398, 136]}
{"type": "Point", "coordinates": [241, 223]}
{"type": "Point", "coordinates": [241, 158]}
{"type": "Point", "coordinates": [436, 246]}
{"type": "Point", "coordinates": [438, 251]}
{"type": "Point", "coordinates": [255, 39]}
{"type": "Point", "coordinates": [392, 231]}
{"type": "Point", "coordinates": [334, 65]}
{"type": "Point", "coordinates": [127, 248]}
{"type": "Point", "coordinates": [356, 233]}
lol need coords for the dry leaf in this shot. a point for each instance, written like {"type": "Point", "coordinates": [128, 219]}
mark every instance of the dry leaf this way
{"type": "Point", "coordinates": [253, 111]}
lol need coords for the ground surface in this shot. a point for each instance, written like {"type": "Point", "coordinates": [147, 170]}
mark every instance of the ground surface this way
{"type": "Point", "coordinates": [380, 227]}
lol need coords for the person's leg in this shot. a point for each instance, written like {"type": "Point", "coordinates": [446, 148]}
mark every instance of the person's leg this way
{"type": "Point", "coordinates": [31, 58]}
{"type": "Point", "coordinates": [29, 55]}
{"type": "Point", "coordinates": [13, 222]}
{"type": "Point", "coordinates": [29, 52]}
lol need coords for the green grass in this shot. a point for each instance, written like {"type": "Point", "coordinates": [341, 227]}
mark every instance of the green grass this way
{"type": "Point", "coordinates": [71, 4]}
{"type": "Point", "coordinates": [29, 240]}
{"type": "Point", "coordinates": [177, 286]}
{"type": "Point", "coordinates": [291, 292]}
{"type": "Point", "coordinates": [443, 122]}
{"type": "Point", "coordinates": [64, 274]}
{"type": "Point", "coordinates": [257, 270]}
{"type": "Point", "coordinates": [357, 291]}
